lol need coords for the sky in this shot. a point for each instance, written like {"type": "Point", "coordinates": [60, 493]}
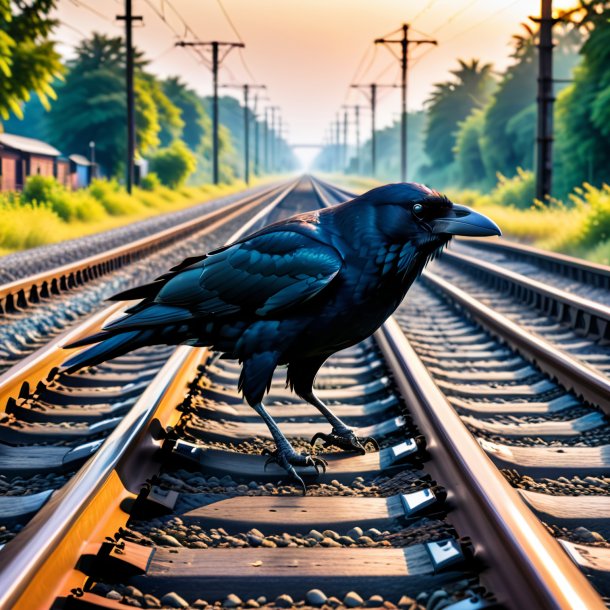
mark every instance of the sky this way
{"type": "Point", "coordinates": [309, 52]}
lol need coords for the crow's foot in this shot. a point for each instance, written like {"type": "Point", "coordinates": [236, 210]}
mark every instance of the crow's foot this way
{"type": "Point", "coordinates": [345, 438]}
{"type": "Point", "coordinates": [287, 458]}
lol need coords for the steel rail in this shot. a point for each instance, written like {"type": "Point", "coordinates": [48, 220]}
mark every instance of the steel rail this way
{"type": "Point", "coordinates": [517, 548]}
{"type": "Point", "coordinates": [37, 366]}
{"type": "Point", "coordinates": [20, 293]}
{"type": "Point", "coordinates": [34, 565]}
{"type": "Point", "coordinates": [527, 568]}
{"type": "Point", "coordinates": [572, 373]}
{"type": "Point", "coordinates": [592, 318]}
{"type": "Point", "coordinates": [585, 381]}
{"type": "Point", "coordinates": [568, 266]}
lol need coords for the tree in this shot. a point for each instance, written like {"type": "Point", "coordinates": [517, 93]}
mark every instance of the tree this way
{"type": "Point", "coordinates": [450, 103]}
{"type": "Point", "coordinates": [468, 154]}
{"type": "Point", "coordinates": [28, 59]}
{"type": "Point", "coordinates": [583, 109]}
{"type": "Point", "coordinates": [192, 113]}
{"type": "Point", "coordinates": [91, 105]}
{"type": "Point", "coordinates": [173, 164]}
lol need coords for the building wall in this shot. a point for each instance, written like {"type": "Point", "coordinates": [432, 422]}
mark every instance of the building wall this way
{"type": "Point", "coordinates": [63, 173]}
{"type": "Point", "coordinates": [41, 166]}
{"type": "Point", "coordinates": [8, 173]}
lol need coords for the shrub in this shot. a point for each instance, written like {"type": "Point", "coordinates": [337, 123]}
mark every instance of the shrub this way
{"type": "Point", "coordinates": [150, 182]}
{"type": "Point", "coordinates": [518, 191]}
{"type": "Point", "coordinates": [173, 164]}
{"type": "Point", "coordinates": [596, 225]}
{"type": "Point", "coordinates": [114, 198]}
{"type": "Point", "coordinates": [25, 225]}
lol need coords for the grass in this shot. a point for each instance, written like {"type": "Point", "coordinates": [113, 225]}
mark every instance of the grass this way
{"type": "Point", "coordinates": [579, 226]}
{"type": "Point", "coordinates": [47, 213]}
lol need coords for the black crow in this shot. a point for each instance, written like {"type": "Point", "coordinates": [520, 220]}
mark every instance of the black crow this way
{"type": "Point", "coordinates": [294, 293]}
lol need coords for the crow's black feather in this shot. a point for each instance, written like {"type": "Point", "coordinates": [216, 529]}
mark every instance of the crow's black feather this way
{"type": "Point", "coordinates": [292, 293]}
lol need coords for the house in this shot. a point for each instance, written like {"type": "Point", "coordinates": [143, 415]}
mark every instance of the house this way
{"type": "Point", "coordinates": [21, 157]}
{"type": "Point", "coordinates": [81, 171]}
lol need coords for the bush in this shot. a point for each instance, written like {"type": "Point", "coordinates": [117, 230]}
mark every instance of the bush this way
{"type": "Point", "coordinates": [518, 191]}
{"type": "Point", "coordinates": [25, 225]}
{"type": "Point", "coordinates": [150, 182]}
{"type": "Point", "coordinates": [114, 198]}
{"type": "Point", "coordinates": [173, 164]}
{"type": "Point", "coordinates": [596, 225]}
{"type": "Point", "coordinates": [68, 205]}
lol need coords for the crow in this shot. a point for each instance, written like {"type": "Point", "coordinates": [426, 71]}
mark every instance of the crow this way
{"type": "Point", "coordinates": [293, 293]}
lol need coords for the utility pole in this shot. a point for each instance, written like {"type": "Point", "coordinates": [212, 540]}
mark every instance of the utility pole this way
{"type": "Point", "coordinates": [545, 99]}
{"type": "Point", "coordinates": [266, 151]}
{"type": "Point", "coordinates": [246, 90]}
{"type": "Point", "coordinates": [272, 137]}
{"type": "Point", "coordinates": [338, 139]}
{"type": "Point", "coordinates": [344, 159]}
{"type": "Point", "coordinates": [356, 109]}
{"type": "Point", "coordinates": [372, 89]}
{"type": "Point", "coordinates": [129, 18]}
{"type": "Point", "coordinates": [404, 43]}
{"type": "Point", "coordinates": [215, 45]}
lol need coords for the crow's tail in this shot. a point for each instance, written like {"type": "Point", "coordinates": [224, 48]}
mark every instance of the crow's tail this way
{"type": "Point", "coordinates": [110, 346]}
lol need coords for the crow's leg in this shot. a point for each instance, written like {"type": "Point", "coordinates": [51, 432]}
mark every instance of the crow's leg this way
{"type": "Point", "coordinates": [301, 375]}
{"type": "Point", "coordinates": [285, 455]}
{"type": "Point", "coordinates": [341, 435]}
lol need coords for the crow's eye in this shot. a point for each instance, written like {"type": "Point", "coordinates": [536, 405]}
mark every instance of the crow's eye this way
{"type": "Point", "coordinates": [417, 209]}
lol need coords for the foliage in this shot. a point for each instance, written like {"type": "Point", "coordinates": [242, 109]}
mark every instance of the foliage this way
{"type": "Point", "coordinates": [91, 105]}
{"type": "Point", "coordinates": [194, 118]}
{"type": "Point", "coordinates": [104, 205]}
{"type": "Point", "coordinates": [596, 227]}
{"type": "Point", "coordinates": [450, 103]}
{"type": "Point", "coordinates": [28, 59]}
{"type": "Point", "coordinates": [45, 190]}
{"type": "Point", "coordinates": [469, 157]}
{"type": "Point", "coordinates": [583, 111]}
{"type": "Point", "coordinates": [517, 191]}
{"type": "Point", "coordinates": [173, 164]}
{"type": "Point", "coordinates": [150, 182]}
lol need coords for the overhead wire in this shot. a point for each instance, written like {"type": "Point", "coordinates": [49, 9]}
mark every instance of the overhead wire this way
{"type": "Point", "coordinates": [94, 11]}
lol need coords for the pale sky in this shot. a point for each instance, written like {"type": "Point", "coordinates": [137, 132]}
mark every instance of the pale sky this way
{"type": "Point", "coordinates": [308, 52]}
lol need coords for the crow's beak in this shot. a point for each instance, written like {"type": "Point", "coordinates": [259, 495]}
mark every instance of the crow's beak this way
{"type": "Point", "coordinates": [464, 221]}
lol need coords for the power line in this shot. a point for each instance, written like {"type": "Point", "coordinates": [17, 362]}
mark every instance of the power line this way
{"type": "Point", "coordinates": [239, 37]}
{"type": "Point", "coordinates": [426, 8]}
{"type": "Point", "coordinates": [468, 29]}
{"type": "Point", "coordinates": [479, 23]}
{"type": "Point", "coordinates": [94, 11]}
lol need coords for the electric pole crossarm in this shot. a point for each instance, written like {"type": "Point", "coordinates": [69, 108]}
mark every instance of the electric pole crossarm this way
{"type": "Point", "coordinates": [404, 43]}
{"type": "Point", "coordinates": [215, 45]}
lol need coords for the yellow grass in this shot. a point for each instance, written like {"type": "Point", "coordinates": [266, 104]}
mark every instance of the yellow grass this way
{"type": "Point", "coordinates": [26, 225]}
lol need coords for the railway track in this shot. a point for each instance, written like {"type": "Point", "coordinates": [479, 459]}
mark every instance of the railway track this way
{"type": "Point", "coordinates": [51, 424]}
{"type": "Point", "coordinates": [521, 352]}
{"type": "Point", "coordinates": [176, 509]}
{"type": "Point", "coordinates": [35, 308]}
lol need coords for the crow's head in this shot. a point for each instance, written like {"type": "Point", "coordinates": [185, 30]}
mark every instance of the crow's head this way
{"type": "Point", "coordinates": [415, 209]}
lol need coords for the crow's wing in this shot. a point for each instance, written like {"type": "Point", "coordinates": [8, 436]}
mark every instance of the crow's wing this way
{"type": "Point", "coordinates": [265, 274]}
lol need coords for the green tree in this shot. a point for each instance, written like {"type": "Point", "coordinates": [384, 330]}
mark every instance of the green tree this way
{"type": "Point", "coordinates": [28, 59]}
{"type": "Point", "coordinates": [468, 154]}
{"type": "Point", "coordinates": [174, 164]}
{"type": "Point", "coordinates": [192, 113]}
{"type": "Point", "coordinates": [450, 103]}
{"type": "Point", "coordinates": [583, 109]}
{"type": "Point", "coordinates": [91, 104]}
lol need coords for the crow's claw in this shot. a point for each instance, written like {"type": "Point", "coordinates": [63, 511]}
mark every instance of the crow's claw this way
{"type": "Point", "coordinates": [287, 458]}
{"type": "Point", "coordinates": [345, 439]}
